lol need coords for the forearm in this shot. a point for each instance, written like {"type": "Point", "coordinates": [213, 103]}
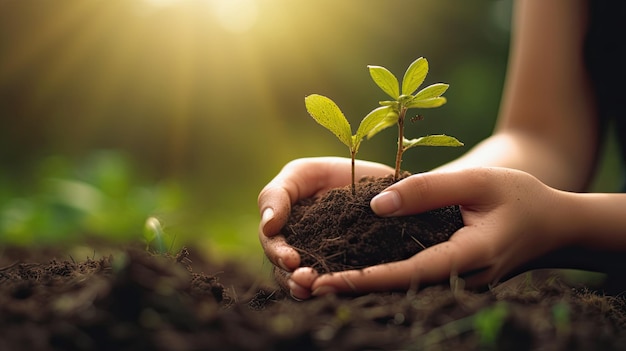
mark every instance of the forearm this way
{"type": "Point", "coordinates": [595, 221]}
{"type": "Point", "coordinates": [547, 124]}
{"type": "Point", "coordinates": [526, 153]}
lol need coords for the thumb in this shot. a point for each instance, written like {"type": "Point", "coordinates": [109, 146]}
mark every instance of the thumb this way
{"type": "Point", "coordinates": [427, 191]}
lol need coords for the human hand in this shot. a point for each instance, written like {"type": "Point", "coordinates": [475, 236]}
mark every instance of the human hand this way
{"type": "Point", "coordinates": [300, 179]}
{"type": "Point", "coordinates": [510, 218]}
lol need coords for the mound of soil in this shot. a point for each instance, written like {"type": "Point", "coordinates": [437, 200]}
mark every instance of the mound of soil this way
{"type": "Point", "coordinates": [134, 300]}
{"type": "Point", "coordinates": [339, 231]}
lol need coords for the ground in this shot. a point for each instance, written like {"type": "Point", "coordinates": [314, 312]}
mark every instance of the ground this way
{"type": "Point", "coordinates": [134, 300]}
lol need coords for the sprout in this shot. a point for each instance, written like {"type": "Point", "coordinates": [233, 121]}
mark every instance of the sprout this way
{"type": "Point", "coordinates": [391, 112]}
{"type": "Point", "coordinates": [328, 114]}
{"type": "Point", "coordinates": [153, 234]}
{"type": "Point", "coordinates": [429, 97]}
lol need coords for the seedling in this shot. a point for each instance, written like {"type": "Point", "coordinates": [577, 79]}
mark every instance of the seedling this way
{"type": "Point", "coordinates": [153, 235]}
{"type": "Point", "coordinates": [403, 100]}
{"type": "Point", "coordinates": [328, 114]}
{"type": "Point", "coordinates": [392, 112]}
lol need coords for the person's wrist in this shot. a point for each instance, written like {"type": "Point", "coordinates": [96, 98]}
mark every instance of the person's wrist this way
{"type": "Point", "coordinates": [569, 221]}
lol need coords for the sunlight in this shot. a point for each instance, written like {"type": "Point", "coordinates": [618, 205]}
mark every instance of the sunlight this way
{"type": "Point", "coordinates": [236, 16]}
{"type": "Point", "coordinates": [161, 3]}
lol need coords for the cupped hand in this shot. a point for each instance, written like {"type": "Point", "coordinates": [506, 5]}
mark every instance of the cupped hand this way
{"type": "Point", "coordinates": [300, 179]}
{"type": "Point", "coordinates": [510, 218]}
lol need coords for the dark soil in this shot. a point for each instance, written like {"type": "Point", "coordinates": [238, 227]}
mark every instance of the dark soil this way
{"type": "Point", "coordinates": [134, 300]}
{"type": "Point", "coordinates": [339, 231]}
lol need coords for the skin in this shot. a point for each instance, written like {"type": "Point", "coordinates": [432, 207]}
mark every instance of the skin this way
{"type": "Point", "coordinates": [519, 189]}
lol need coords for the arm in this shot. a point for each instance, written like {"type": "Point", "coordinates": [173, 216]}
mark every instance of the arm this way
{"type": "Point", "coordinates": [547, 124]}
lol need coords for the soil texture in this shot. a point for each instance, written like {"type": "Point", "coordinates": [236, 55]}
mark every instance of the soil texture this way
{"type": "Point", "coordinates": [134, 300]}
{"type": "Point", "coordinates": [338, 230]}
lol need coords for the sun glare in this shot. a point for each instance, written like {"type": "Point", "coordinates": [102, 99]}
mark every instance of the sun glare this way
{"type": "Point", "coordinates": [161, 3]}
{"type": "Point", "coordinates": [236, 16]}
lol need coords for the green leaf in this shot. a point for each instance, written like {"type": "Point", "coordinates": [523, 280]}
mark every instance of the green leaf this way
{"type": "Point", "coordinates": [328, 114]}
{"type": "Point", "coordinates": [395, 104]}
{"type": "Point", "coordinates": [431, 140]}
{"type": "Point", "coordinates": [371, 121]}
{"type": "Point", "coordinates": [414, 76]}
{"type": "Point", "coordinates": [427, 103]}
{"type": "Point", "coordinates": [385, 80]}
{"type": "Point", "coordinates": [391, 119]}
{"type": "Point", "coordinates": [432, 91]}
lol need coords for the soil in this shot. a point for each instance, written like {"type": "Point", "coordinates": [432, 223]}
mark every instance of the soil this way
{"type": "Point", "coordinates": [339, 231]}
{"type": "Point", "coordinates": [134, 300]}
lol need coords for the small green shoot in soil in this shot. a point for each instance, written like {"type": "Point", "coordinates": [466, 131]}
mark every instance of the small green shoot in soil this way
{"type": "Point", "coordinates": [153, 235]}
{"type": "Point", "coordinates": [403, 99]}
{"type": "Point", "coordinates": [328, 114]}
{"type": "Point", "coordinates": [392, 112]}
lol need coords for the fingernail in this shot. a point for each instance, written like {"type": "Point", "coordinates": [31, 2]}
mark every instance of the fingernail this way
{"type": "Point", "coordinates": [267, 216]}
{"type": "Point", "coordinates": [294, 297]}
{"type": "Point", "coordinates": [293, 286]}
{"type": "Point", "coordinates": [323, 290]}
{"type": "Point", "coordinates": [386, 203]}
{"type": "Point", "coordinates": [281, 264]}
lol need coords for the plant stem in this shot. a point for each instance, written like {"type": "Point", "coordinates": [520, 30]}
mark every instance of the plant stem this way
{"type": "Point", "coordinates": [401, 116]}
{"type": "Point", "coordinates": [353, 154]}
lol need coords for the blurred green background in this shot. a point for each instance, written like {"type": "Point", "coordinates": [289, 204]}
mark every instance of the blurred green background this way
{"type": "Point", "coordinates": [112, 111]}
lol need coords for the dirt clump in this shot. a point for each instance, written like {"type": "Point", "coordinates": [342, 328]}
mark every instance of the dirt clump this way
{"type": "Point", "coordinates": [338, 230]}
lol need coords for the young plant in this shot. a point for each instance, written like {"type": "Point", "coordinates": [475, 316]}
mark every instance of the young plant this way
{"type": "Point", "coordinates": [328, 114]}
{"type": "Point", "coordinates": [404, 99]}
{"type": "Point", "coordinates": [153, 235]}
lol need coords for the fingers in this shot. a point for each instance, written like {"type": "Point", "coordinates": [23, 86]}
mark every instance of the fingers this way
{"type": "Point", "coordinates": [301, 281]}
{"type": "Point", "coordinates": [427, 191]}
{"type": "Point", "coordinates": [298, 179]}
{"type": "Point", "coordinates": [433, 265]}
{"type": "Point", "coordinates": [279, 252]}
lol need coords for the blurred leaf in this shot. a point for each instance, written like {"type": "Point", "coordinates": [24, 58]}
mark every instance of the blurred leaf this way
{"type": "Point", "coordinates": [76, 194]}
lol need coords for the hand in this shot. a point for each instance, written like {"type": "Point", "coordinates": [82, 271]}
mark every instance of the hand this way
{"type": "Point", "coordinates": [300, 179]}
{"type": "Point", "coordinates": [510, 218]}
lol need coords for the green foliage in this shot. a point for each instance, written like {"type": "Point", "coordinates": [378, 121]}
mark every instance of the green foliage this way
{"type": "Point", "coordinates": [325, 112]}
{"type": "Point", "coordinates": [429, 97]}
{"type": "Point", "coordinates": [67, 202]}
{"type": "Point", "coordinates": [392, 112]}
{"type": "Point", "coordinates": [488, 323]}
{"type": "Point", "coordinates": [561, 315]}
{"type": "Point", "coordinates": [431, 140]}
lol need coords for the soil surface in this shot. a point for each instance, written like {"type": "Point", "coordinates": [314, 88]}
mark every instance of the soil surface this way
{"type": "Point", "coordinates": [339, 231]}
{"type": "Point", "coordinates": [134, 300]}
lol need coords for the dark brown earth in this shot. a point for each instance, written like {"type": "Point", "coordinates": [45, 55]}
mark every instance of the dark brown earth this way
{"type": "Point", "coordinates": [134, 300]}
{"type": "Point", "coordinates": [339, 231]}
